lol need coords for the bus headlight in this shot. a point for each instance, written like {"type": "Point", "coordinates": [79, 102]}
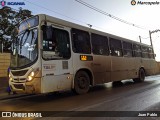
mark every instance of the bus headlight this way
{"type": "Point", "coordinates": [10, 77]}
{"type": "Point", "coordinates": [31, 76]}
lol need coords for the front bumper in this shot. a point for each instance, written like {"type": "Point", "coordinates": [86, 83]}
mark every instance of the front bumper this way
{"type": "Point", "coordinates": [33, 86]}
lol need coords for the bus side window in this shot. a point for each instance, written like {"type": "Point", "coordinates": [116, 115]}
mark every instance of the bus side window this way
{"type": "Point", "coordinates": [113, 52]}
{"type": "Point", "coordinates": [145, 52]}
{"type": "Point", "coordinates": [81, 41]}
{"type": "Point", "coordinates": [55, 43]}
{"type": "Point", "coordinates": [127, 49]}
{"type": "Point", "coordinates": [99, 44]}
{"type": "Point", "coordinates": [137, 50]}
{"type": "Point", "coordinates": [151, 55]}
{"type": "Point", "coordinates": [115, 47]}
{"type": "Point", "coordinates": [62, 38]}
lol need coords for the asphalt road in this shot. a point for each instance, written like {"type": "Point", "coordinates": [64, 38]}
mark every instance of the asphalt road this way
{"type": "Point", "coordinates": [102, 102]}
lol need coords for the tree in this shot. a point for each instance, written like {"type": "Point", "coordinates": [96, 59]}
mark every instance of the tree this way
{"type": "Point", "coordinates": [9, 19]}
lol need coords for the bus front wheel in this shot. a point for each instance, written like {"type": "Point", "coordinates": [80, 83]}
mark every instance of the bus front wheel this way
{"type": "Point", "coordinates": [81, 82]}
{"type": "Point", "coordinates": [141, 76]}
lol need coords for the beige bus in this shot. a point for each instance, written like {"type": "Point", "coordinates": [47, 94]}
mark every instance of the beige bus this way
{"type": "Point", "coordinates": [51, 55]}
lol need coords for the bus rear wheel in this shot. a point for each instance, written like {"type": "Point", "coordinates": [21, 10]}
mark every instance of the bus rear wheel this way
{"type": "Point", "coordinates": [141, 76]}
{"type": "Point", "coordinates": [81, 82]}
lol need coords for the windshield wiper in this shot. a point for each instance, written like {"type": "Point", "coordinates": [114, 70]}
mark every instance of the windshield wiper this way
{"type": "Point", "coordinates": [26, 31]}
{"type": "Point", "coordinates": [21, 40]}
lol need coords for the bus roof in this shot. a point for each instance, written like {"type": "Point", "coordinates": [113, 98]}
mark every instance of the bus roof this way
{"type": "Point", "coordinates": [74, 25]}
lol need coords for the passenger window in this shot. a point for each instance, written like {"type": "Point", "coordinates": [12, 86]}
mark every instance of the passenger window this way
{"type": "Point", "coordinates": [55, 43]}
{"type": "Point", "coordinates": [127, 49]}
{"type": "Point", "coordinates": [145, 52]}
{"type": "Point", "coordinates": [115, 47]}
{"type": "Point", "coordinates": [81, 41]}
{"type": "Point", "coordinates": [99, 44]}
{"type": "Point", "coordinates": [137, 50]}
{"type": "Point", "coordinates": [151, 54]}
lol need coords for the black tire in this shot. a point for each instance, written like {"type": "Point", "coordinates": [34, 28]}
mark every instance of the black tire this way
{"type": "Point", "coordinates": [81, 82]}
{"type": "Point", "coordinates": [117, 83]}
{"type": "Point", "coordinates": [141, 76]}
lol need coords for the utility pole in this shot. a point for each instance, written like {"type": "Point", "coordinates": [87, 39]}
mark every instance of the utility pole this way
{"type": "Point", "coordinates": [140, 39]}
{"type": "Point", "coordinates": [150, 33]}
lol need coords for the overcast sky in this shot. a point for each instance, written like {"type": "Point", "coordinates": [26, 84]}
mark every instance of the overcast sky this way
{"type": "Point", "coordinates": [146, 16]}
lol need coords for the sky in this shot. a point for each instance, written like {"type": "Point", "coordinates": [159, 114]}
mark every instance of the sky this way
{"type": "Point", "coordinates": [145, 16]}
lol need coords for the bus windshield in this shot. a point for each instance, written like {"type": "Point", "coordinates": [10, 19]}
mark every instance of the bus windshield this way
{"type": "Point", "coordinates": [25, 49]}
{"type": "Point", "coordinates": [29, 23]}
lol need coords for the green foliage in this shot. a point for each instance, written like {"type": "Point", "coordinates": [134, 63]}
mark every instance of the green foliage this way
{"type": "Point", "coordinates": [9, 20]}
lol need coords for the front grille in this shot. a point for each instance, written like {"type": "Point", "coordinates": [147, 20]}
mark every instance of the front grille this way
{"type": "Point", "coordinates": [19, 86]}
{"type": "Point", "coordinates": [19, 73]}
{"type": "Point", "coordinates": [19, 79]}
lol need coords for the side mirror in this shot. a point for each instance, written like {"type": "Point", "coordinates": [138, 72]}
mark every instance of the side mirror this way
{"type": "Point", "coordinates": [43, 27]}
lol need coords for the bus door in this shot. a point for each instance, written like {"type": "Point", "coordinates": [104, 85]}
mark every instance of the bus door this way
{"type": "Point", "coordinates": [57, 68]}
